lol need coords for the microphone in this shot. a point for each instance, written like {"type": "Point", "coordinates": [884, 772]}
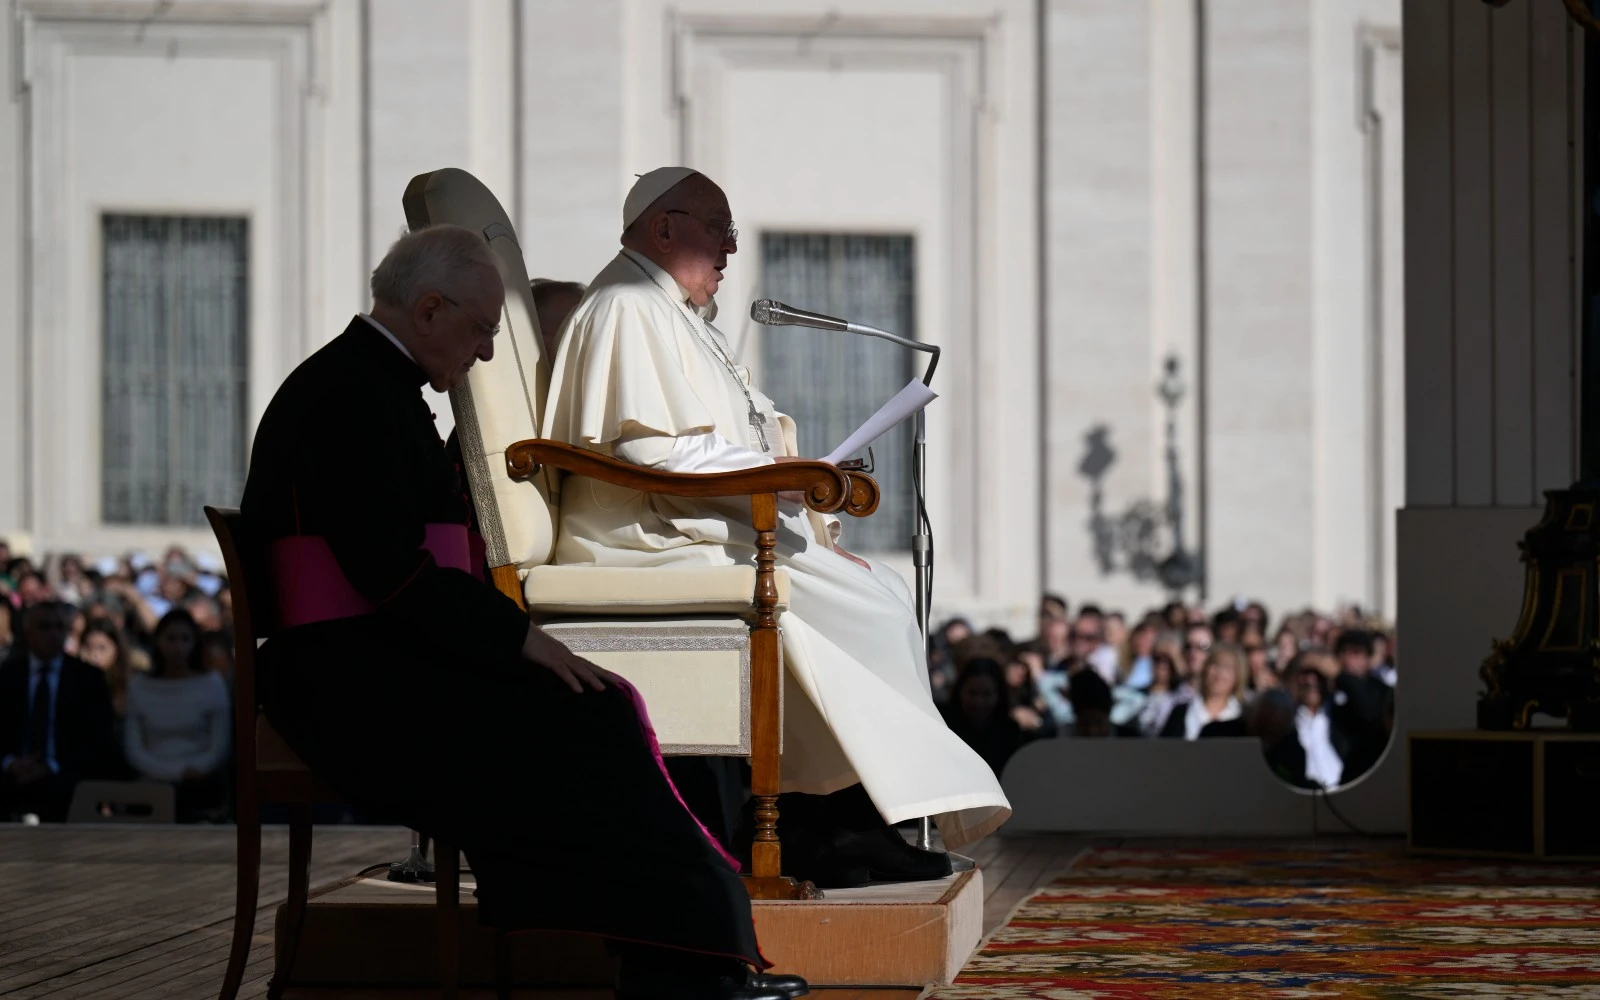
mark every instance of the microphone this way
{"type": "Point", "coordinates": [770, 312]}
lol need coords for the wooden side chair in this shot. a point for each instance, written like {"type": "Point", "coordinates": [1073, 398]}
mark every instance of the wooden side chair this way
{"type": "Point", "coordinates": [269, 772]}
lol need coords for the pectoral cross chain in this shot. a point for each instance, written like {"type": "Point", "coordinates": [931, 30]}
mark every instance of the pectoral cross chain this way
{"type": "Point", "coordinates": [758, 423]}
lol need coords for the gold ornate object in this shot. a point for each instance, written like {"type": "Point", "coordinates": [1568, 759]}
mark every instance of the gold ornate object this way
{"type": "Point", "coordinates": [1551, 663]}
{"type": "Point", "coordinates": [1579, 11]}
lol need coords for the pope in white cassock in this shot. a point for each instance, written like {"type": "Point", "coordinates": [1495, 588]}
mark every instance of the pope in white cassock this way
{"type": "Point", "coordinates": [643, 375]}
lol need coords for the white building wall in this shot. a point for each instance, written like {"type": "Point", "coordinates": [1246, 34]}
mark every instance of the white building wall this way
{"type": "Point", "coordinates": [558, 103]}
{"type": "Point", "coordinates": [1299, 484]}
{"type": "Point", "coordinates": [1357, 311]}
{"type": "Point", "coordinates": [573, 174]}
{"type": "Point", "coordinates": [241, 109]}
{"type": "Point", "coordinates": [14, 382]}
{"type": "Point", "coordinates": [1102, 339]}
{"type": "Point", "coordinates": [1260, 485]}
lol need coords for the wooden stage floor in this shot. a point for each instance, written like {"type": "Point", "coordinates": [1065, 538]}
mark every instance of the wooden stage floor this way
{"type": "Point", "coordinates": [136, 912]}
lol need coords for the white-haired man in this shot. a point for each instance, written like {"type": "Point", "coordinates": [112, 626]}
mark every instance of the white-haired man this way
{"type": "Point", "coordinates": [422, 694]}
{"type": "Point", "coordinates": [644, 375]}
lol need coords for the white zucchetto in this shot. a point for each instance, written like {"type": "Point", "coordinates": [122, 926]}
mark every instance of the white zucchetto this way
{"type": "Point", "coordinates": [649, 187]}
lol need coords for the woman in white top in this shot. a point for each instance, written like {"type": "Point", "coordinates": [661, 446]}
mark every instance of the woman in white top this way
{"type": "Point", "coordinates": [178, 719]}
{"type": "Point", "coordinates": [1219, 700]}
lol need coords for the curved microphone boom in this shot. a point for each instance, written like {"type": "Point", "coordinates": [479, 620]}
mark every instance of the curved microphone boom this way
{"type": "Point", "coordinates": [770, 312]}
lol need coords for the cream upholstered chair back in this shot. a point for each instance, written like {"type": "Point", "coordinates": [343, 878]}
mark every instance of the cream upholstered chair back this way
{"type": "Point", "coordinates": [680, 634]}
{"type": "Point", "coordinates": [501, 401]}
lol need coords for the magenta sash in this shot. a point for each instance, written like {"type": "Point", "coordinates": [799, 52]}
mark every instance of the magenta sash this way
{"type": "Point", "coordinates": [310, 587]}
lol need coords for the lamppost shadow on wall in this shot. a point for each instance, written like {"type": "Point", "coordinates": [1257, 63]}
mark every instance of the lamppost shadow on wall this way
{"type": "Point", "coordinates": [1146, 539]}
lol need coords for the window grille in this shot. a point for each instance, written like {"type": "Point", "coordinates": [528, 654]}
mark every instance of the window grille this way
{"type": "Point", "coordinates": [174, 371]}
{"type": "Point", "coordinates": [831, 382]}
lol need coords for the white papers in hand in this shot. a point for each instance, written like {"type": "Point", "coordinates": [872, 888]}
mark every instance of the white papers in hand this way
{"type": "Point", "coordinates": [904, 404]}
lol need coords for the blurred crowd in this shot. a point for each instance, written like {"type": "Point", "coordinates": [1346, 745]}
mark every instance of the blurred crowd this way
{"type": "Point", "coordinates": [118, 669]}
{"type": "Point", "coordinates": [1316, 690]}
{"type": "Point", "coordinates": [122, 669]}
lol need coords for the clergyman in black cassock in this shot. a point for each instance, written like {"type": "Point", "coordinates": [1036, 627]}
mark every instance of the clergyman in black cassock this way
{"type": "Point", "coordinates": [442, 708]}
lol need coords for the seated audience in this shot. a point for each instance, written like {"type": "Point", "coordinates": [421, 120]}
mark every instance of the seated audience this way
{"type": "Point", "coordinates": [1028, 705]}
{"type": "Point", "coordinates": [942, 667]}
{"type": "Point", "coordinates": [1217, 700]}
{"type": "Point", "coordinates": [1258, 664]}
{"type": "Point", "coordinates": [1089, 643]}
{"type": "Point", "coordinates": [55, 719]}
{"type": "Point", "coordinates": [1325, 744]}
{"type": "Point", "coordinates": [178, 721]}
{"type": "Point", "coordinates": [1361, 700]}
{"type": "Point", "coordinates": [1197, 640]}
{"type": "Point", "coordinates": [1164, 693]}
{"type": "Point", "coordinates": [1227, 627]}
{"type": "Point", "coordinates": [978, 713]}
{"type": "Point", "coordinates": [1054, 631]}
{"type": "Point", "coordinates": [1091, 706]}
{"type": "Point", "coordinates": [1137, 664]}
{"type": "Point", "coordinates": [104, 648]}
{"type": "Point", "coordinates": [1272, 721]}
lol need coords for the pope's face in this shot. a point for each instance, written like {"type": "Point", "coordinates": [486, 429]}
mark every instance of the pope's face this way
{"type": "Point", "coordinates": [693, 241]}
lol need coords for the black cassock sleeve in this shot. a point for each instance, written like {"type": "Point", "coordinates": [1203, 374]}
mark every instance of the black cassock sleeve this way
{"type": "Point", "coordinates": [373, 486]}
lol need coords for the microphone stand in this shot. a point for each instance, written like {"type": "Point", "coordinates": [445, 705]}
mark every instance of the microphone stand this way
{"type": "Point", "coordinates": [921, 538]}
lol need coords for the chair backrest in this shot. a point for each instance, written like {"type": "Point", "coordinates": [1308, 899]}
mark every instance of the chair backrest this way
{"type": "Point", "coordinates": [501, 401]}
{"type": "Point", "coordinates": [252, 620]}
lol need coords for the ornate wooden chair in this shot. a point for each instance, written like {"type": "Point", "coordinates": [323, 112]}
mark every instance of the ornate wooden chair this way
{"type": "Point", "coordinates": [701, 643]}
{"type": "Point", "coordinates": [268, 771]}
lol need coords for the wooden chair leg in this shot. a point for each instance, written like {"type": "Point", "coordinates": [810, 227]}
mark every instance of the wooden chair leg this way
{"type": "Point", "coordinates": [502, 964]}
{"type": "Point", "coordinates": [766, 879]}
{"type": "Point", "coordinates": [245, 894]}
{"type": "Point", "coordinates": [299, 890]}
{"type": "Point", "coordinates": [447, 898]}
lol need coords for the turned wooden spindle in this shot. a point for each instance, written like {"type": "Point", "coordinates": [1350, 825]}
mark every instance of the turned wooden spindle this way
{"type": "Point", "coordinates": [766, 880]}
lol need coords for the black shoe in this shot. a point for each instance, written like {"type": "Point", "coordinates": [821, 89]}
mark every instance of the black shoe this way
{"type": "Point", "coordinates": [664, 985]}
{"type": "Point", "coordinates": [789, 986]}
{"type": "Point", "coordinates": [854, 858]}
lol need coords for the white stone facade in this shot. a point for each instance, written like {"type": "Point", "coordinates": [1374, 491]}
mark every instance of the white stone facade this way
{"type": "Point", "coordinates": [1092, 185]}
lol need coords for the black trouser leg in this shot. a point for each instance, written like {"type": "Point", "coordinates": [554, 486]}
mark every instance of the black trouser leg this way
{"type": "Point", "coordinates": [714, 790]}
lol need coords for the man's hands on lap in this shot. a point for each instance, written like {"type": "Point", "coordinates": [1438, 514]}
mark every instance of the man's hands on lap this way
{"type": "Point", "coordinates": [548, 652]}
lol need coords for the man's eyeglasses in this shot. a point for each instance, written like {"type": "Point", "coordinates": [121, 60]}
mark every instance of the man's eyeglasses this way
{"type": "Point", "coordinates": [730, 232]}
{"type": "Point", "coordinates": [1084, 637]}
{"type": "Point", "coordinates": [483, 328]}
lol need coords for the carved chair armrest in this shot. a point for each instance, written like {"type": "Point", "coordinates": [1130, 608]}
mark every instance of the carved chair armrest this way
{"type": "Point", "coordinates": [826, 488]}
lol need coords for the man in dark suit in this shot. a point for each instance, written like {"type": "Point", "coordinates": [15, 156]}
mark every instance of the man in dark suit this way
{"type": "Point", "coordinates": [55, 719]}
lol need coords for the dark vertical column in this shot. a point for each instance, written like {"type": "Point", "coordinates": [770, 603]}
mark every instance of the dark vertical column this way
{"type": "Point", "coordinates": [1589, 343]}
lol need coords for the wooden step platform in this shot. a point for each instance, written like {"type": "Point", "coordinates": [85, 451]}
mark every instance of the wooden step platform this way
{"type": "Point", "coordinates": [372, 932]}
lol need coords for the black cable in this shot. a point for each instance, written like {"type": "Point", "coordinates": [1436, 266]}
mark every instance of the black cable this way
{"type": "Point", "coordinates": [386, 865]}
{"type": "Point", "coordinates": [919, 471]}
{"type": "Point", "coordinates": [1327, 800]}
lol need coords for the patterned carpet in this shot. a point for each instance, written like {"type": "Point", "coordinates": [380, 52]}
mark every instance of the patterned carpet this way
{"type": "Point", "coordinates": [1358, 924]}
